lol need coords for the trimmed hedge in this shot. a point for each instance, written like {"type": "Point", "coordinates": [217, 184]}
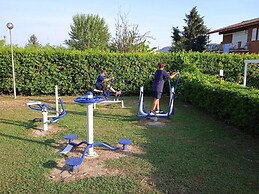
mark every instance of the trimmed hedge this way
{"type": "Point", "coordinates": [231, 102]}
{"type": "Point", "coordinates": [232, 64]}
{"type": "Point", "coordinates": [38, 70]}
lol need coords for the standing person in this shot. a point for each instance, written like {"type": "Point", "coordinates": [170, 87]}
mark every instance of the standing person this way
{"type": "Point", "coordinates": [100, 83]}
{"type": "Point", "coordinates": [158, 85]}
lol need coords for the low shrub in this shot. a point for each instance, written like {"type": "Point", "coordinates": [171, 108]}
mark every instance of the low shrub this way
{"type": "Point", "coordinates": [231, 102]}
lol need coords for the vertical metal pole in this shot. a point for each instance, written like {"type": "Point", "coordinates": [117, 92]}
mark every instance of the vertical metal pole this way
{"type": "Point", "coordinates": [56, 98]}
{"type": "Point", "coordinates": [245, 71]}
{"type": "Point", "coordinates": [221, 73]}
{"type": "Point", "coordinates": [90, 129]}
{"type": "Point", "coordinates": [45, 119]}
{"type": "Point", "coordinates": [11, 45]}
{"type": "Point", "coordinates": [141, 101]}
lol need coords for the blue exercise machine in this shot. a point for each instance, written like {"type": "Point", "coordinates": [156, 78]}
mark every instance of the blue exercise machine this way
{"type": "Point", "coordinates": [45, 108]}
{"type": "Point", "coordinates": [108, 96]}
{"type": "Point", "coordinates": [141, 106]}
{"type": "Point", "coordinates": [74, 162]}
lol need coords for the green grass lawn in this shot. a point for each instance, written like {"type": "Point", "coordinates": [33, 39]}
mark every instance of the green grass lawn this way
{"type": "Point", "coordinates": [191, 153]}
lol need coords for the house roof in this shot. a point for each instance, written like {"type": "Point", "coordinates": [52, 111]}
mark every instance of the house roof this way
{"type": "Point", "coordinates": [239, 26]}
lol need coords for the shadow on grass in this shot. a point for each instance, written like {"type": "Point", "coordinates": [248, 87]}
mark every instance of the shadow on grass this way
{"type": "Point", "coordinates": [27, 125]}
{"type": "Point", "coordinates": [115, 117]}
{"type": "Point", "coordinates": [82, 113]}
{"type": "Point", "coordinates": [47, 142]}
{"type": "Point", "coordinates": [111, 117]}
{"type": "Point", "coordinates": [50, 164]}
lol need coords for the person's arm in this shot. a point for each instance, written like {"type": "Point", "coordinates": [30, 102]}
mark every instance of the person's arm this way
{"type": "Point", "coordinates": [173, 75]}
{"type": "Point", "coordinates": [108, 79]}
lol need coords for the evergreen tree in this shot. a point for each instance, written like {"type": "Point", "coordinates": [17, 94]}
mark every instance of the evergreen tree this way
{"type": "Point", "coordinates": [194, 35]}
{"type": "Point", "coordinates": [88, 31]}
{"type": "Point", "coordinates": [33, 41]}
{"type": "Point", "coordinates": [176, 43]}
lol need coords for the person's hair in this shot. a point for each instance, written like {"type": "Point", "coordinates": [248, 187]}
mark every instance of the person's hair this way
{"type": "Point", "coordinates": [161, 65]}
{"type": "Point", "coordinates": [103, 71]}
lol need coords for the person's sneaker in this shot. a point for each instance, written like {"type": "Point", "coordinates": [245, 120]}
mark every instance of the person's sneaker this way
{"type": "Point", "coordinates": [152, 112]}
{"type": "Point", "coordinates": [159, 112]}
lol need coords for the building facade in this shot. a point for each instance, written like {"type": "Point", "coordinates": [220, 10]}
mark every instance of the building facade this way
{"type": "Point", "coordinates": [242, 37]}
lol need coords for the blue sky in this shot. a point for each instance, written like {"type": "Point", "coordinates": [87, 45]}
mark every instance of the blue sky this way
{"type": "Point", "coordinates": [50, 20]}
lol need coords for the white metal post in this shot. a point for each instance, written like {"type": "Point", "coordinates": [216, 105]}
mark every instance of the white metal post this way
{"type": "Point", "coordinates": [10, 27]}
{"type": "Point", "coordinates": [256, 61]}
{"type": "Point", "coordinates": [245, 70]}
{"type": "Point", "coordinates": [141, 111]}
{"type": "Point", "coordinates": [90, 129]}
{"type": "Point", "coordinates": [56, 98]}
{"type": "Point", "coordinates": [45, 119]}
{"type": "Point", "coordinates": [221, 73]}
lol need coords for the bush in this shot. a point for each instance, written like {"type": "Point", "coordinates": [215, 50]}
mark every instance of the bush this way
{"type": "Point", "coordinates": [39, 69]}
{"type": "Point", "coordinates": [231, 102]}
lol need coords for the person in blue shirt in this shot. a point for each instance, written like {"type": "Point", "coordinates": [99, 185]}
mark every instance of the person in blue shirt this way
{"type": "Point", "coordinates": [158, 85]}
{"type": "Point", "coordinates": [101, 83]}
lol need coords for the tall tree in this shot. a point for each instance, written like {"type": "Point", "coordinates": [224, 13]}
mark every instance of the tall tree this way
{"type": "Point", "coordinates": [177, 44]}
{"type": "Point", "coordinates": [3, 41]}
{"type": "Point", "coordinates": [194, 35]}
{"type": "Point", "coordinates": [88, 31]}
{"type": "Point", "coordinates": [128, 38]}
{"type": "Point", "coordinates": [33, 41]}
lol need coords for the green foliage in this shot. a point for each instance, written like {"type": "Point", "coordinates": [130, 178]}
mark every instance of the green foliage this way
{"type": "Point", "coordinates": [232, 64]}
{"type": "Point", "coordinates": [128, 38]}
{"type": "Point", "coordinates": [3, 41]}
{"type": "Point", "coordinates": [38, 70]}
{"type": "Point", "coordinates": [88, 32]}
{"type": "Point", "coordinates": [194, 35]}
{"type": "Point", "coordinates": [231, 102]}
{"type": "Point", "coordinates": [33, 41]}
{"type": "Point", "coordinates": [177, 44]}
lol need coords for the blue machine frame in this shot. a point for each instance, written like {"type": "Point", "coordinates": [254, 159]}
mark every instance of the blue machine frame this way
{"type": "Point", "coordinates": [107, 96]}
{"type": "Point", "coordinates": [74, 162]}
{"type": "Point", "coordinates": [42, 107]}
{"type": "Point", "coordinates": [141, 106]}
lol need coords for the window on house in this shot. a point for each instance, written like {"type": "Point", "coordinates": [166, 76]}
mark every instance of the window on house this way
{"type": "Point", "coordinates": [257, 34]}
{"type": "Point", "coordinates": [254, 33]}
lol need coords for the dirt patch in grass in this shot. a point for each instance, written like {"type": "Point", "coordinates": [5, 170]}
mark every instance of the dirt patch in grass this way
{"type": "Point", "coordinates": [7, 103]}
{"type": "Point", "coordinates": [158, 122]}
{"type": "Point", "coordinates": [39, 132]}
{"type": "Point", "coordinates": [91, 166]}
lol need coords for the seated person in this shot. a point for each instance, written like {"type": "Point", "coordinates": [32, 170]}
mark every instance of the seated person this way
{"type": "Point", "coordinates": [100, 83]}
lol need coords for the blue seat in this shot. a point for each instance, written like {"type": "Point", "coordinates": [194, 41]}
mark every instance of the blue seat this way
{"type": "Point", "coordinates": [125, 142]}
{"type": "Point", "coordinates": [74, 162]}
{"type": "Point", "coordinates": [70, 137]}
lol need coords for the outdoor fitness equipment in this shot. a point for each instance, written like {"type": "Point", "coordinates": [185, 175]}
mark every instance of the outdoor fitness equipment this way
{"type": "Point", "coordinates": [255, 61]}
{"type": "Point", "coordinates": [141, 106]}
{"type": "Point", "coordinates": [44, 108]}
{"type": "Point", "coordinates": [74, 162]}
{"type": "Point", "coordinates": [107, 96]}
